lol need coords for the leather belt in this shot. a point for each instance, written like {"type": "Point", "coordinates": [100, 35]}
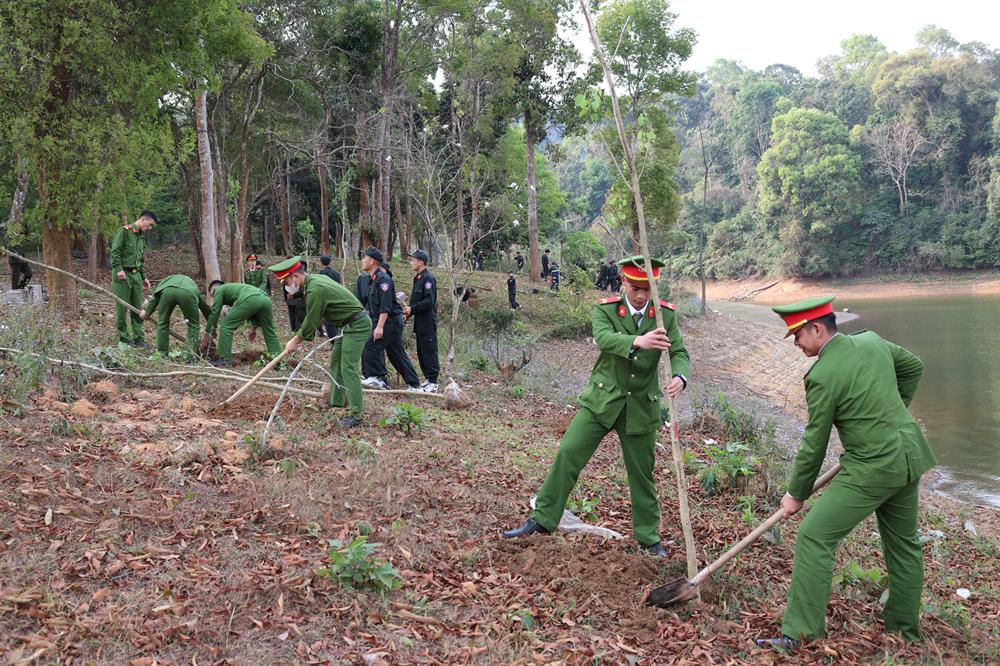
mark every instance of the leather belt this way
{"type": "Point", "coordinates": [353, 318]}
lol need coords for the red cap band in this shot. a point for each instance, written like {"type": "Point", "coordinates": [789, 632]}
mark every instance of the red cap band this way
{"type": "Point", "coordinates": [638, 273]}
{"type": "Point", "coordinates": [796, 319]}
{"type": "Point", "coordinates": [281, 275]}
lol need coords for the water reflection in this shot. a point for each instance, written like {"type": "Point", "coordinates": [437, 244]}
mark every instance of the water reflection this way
{"type": "Point", "coordinates": [958, 399]}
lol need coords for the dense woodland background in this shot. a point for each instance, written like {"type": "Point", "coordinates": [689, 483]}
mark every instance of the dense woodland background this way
{"type": "Point", "coordinates": [462, 126]}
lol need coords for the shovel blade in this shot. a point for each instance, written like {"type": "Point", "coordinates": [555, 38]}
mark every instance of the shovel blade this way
{"type": "Point", "coordinates": [670, 594]}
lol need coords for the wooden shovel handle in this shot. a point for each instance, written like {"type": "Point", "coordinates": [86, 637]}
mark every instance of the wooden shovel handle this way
{"type": "Point", "coordinates": [277, 359]}
{"type": "Point", "coordinates": [753, 536]}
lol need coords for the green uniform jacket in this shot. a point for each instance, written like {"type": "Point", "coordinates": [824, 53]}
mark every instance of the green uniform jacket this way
{"type": "Point", "coordinates": [326, 300]}
{"type": "Point", "coordinates": [257, 278]}
{"type": "Point", "coordinates": [127, 251]}
{"type": "Point", "coordinates": [863, 385]}
{"type": "Point", "coordinates": [626, 376]}
{"type": "Point", "coordinates": [181, 282]}
{"type": "Point", "coordinates": [229, 294]}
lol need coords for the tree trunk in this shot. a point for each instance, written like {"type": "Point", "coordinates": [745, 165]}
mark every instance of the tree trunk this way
{"type": "Point", "coordinates": [283, 208]}
{"type": "Point", "coordinates": [20, 194]}
{"type": "Point", "coordinates": [56, 245]}
{"type": "Point", "coordinates": [402, 228]}
{"type": "Point", "coordinates": [92, 254]}
{"type": "Point", "coordinates": [534, 260]}
{"type": "Point", "coordinates": [324, 205]}
{"type": "Point", "coordinates": [207, 229]}
{"type": "Point", "coordinates": [269, 224]}
{"type": "Point", "coordinates": [460, 242]}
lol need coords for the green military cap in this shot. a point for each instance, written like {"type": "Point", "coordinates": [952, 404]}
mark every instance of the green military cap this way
{"type": "Point", "coordinates": [798, 314]}
{"type": "Point", "coordinates": [283, 269]}
{"type": "Point", "coordinates": [634, 269]}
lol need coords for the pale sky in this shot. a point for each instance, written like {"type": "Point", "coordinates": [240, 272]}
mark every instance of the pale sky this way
{"type": "Point", "coordinates": [796, 32]}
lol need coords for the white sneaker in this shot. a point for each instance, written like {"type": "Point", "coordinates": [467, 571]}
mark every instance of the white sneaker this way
{"type": "Point", "coordinates": [374, 383]}
{"type": "Point", "coordinates": [414, 389]}
{"type": "Point", "coordinates": [429, 387]}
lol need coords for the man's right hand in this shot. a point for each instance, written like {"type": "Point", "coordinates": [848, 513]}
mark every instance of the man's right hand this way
{"type": "Point", "coordinates": [121, 275]}
{"type": "Point", "coordinates": [655, 339]}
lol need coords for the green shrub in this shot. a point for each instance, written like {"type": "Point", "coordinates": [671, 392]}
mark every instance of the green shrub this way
{"type": "Point", "coordinates": [727, 467]}
{"type": "Point", "coordinates": [583, 507]}
{"type": "Point", "coordinates": [479, 362]}
{"type": "Point", "coordinates": [355, 566]}
{"type": "Point", "coordinates": [405, 417]}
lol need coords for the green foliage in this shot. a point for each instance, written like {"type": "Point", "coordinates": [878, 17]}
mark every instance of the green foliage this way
{"type": "Point", "coordinates": [355, 566]}
{"type": "Point", "coordinates": [871, 581]}
{"type": "Point", "coordinates": [406, 417]}
{"type": "Point", "coordinates": [479, 362]}
{"type": "Point", "coordinates": [727, 467]}
{"type": "Point", "coordinates": [307, 236]}
{"type": "Point", "coordinates": [361, 449]}
{"type": "Point", "coordinates": [582, 249]}
{"type": "Point", "coordinates": [584, 507]}
{"type": "Point", "coordinates": [739, 424]}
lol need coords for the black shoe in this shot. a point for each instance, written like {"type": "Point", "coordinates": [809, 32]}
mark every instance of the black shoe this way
{"type": "Point", "coordinates": [655, 550]}
{"type": "Point", "coordinates": [783, 643]}
{"type": "Point", "coordinates": [140, 344]}
{"type": "Point", "coordinates": [222, 363]}
{"type": "Point", "coordinates": [349, 422]}
{"type": "Point", "coordinates": [530, 527]}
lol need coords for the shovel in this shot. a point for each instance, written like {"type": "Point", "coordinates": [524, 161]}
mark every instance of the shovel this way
{"type": "Point", "coordinates": [681, 590]}
{"type": "Point", "coordinates": [256, 378]}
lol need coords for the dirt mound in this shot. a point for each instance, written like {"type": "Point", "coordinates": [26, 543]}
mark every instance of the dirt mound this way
{"type": "Point", "coordinates": [101, 392]}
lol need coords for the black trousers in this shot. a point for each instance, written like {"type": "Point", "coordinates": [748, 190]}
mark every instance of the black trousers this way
{"type": "Point", "coordinates": [296, 315]}
{"type": "Point", "coordinates": [330, 329]}
{"type": "Point", "coordinates": [20, 274]}
{"type": "Point", "coordinates": [511, 296]}
{"type": "Point", "coordinates": [426, 335]}
{"type": "Point", "coordinates": [391, 345]}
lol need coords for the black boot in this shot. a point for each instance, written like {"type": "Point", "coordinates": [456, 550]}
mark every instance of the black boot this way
{"type": "Point", "coordinates": [655, 550]}
{"type": "Point", "coordinates": [530, 527]}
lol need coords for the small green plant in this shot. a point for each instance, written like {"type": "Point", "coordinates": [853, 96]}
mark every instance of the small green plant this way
{"type": "Point", "coordinates": [361, 449]}
{"type": "Point", "coordinates": [479, 362]}
{"type": "Point", "coordinates": [583, 507]}
{"type": "Point", "coordinates": [871, 580]}
{"type": "Point", "coordinates": [363, 528]}
{"type": "Point", "coordinates": [524, 616]}
{"type": "Point", "coordinates": [517, 391]}
{"type": "Point", "coordinates": [61, 427]}
{"type": "Point", "coordinates": [746, 506]}
{"type": "Point", "coordinates": [356, 566]}
{"type": "Point", "coordinates": [955, 614]}
{"type": "Point", "coordinates": [406, 417]}
{"type": "Point", "coordinates": [287, 465]}
{"type": "Point", "coordinates": [728, 467]}
{"type": "Point", "coordinates": [256, 445]}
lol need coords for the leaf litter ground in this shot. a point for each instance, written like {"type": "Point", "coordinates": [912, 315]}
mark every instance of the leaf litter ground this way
{"type": "Point", "coordinates": [148, 530]}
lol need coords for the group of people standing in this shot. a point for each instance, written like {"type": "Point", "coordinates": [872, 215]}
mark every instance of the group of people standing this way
{"type": "Point", "coordinates": [608, 277]}
{"type": "Point", "coordinates": [860, 383]}
{"type": "Point", "coordinates": [366, 324]}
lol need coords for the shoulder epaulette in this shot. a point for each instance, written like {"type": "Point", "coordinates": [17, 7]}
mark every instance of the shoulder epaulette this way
{"type": "Point", "coordinates": [609, 299]}
{"type": "Point", "coordinates": [668, 305]}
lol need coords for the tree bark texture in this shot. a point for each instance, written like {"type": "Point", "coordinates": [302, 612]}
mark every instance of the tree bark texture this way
{"type": "Point", "coordinates": [534, 258]}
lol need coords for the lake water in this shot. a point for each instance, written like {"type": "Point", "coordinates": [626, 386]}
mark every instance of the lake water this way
{"type": "Point", "coordinates": [958, 399]}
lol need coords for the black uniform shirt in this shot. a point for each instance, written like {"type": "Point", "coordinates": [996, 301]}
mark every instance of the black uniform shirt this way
{"type": "Point", "coordinates": [382, 296]}
{"type": "Point", "coordinates": [423, 299]}
{"type": "Point", "coordinates": [331, 273]}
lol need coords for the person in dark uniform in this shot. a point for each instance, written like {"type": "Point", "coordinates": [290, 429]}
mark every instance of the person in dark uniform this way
{"type": "Point", "coordinates": [387, 330]}
{"type": "Point", "coordinates": [20, 271]}
{"type": "Point", "coordinates": [614, 278]}
{"type": "Point", "coordinates": [554, 276]}
{"type": "Point", "coordinates": [519, 258]}
{"type": "Point", "coordinates": [296, 304]}
{"type": "Point", "coordinates": [545, 263]}
{"type": "Point", "coordinates": [602, 276]}
{"type": "Point", "coordinates": [333, 274]}
{"type": "Point", "coordinates": [512, 291]}
{"type": "Point", "coordinates": [423, 310]}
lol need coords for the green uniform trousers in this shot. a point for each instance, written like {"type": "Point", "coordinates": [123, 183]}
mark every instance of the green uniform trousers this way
{"type": "Point", "coordinates": [256, 310]}
{"type": "Point", "coordinates": [170, 298]}
{"type": "Point", "coordinates": [575, 450]}
{"type": "Point", "coordinates": [345, 366]}
{"type": "Point", "coordinates": [838, 511]}
{"type": "Point", "coordinates": [130, 291]}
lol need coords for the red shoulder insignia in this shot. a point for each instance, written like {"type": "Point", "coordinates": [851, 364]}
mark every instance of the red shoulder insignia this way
{"type": "Point", "coordinates": [609, 299]}
{"type": "Point", "coordinates": [668, 305]}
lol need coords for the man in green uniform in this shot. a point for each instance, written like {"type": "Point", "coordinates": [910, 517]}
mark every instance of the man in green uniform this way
{"type": "Point", "coordinates": [862, 384]}
{"type": "Point", "coordinates": [255, 274]}
{"type": "Point", "coordinates": [327, 300]}
{"type": "Point", "coordinates": [246, 303]}
{"type": "Point", "coordinates": [128, 248]}
{"type": "Point", "coordinates": [623, 395]}
{"type": "Point", "coordinates": [176, 291]}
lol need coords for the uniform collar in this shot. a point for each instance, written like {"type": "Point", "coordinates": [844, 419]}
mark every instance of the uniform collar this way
{"type": "Point", "coordinates": [833, 337]}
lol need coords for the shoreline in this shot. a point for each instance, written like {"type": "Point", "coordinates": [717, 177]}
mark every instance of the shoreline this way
{"type": "Point", "coordinates": [792, 289]}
